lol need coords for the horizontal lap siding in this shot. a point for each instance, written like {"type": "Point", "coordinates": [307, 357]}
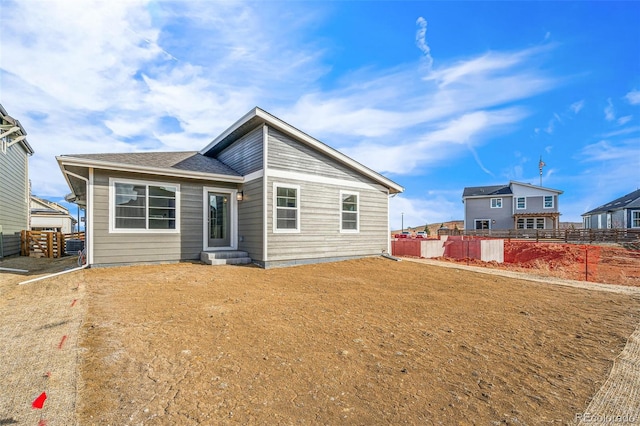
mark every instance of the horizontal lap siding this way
{"type": "Point", "coordinates": [114, 248]}
{"type": "Point", "coordinates": [320, 206]}
{"type": "Point", "coordinates": [245, 154]}
{"type": "Point", "coordinates": [14, 204]}
{"type": "Point", "coordinates": [250, 222]}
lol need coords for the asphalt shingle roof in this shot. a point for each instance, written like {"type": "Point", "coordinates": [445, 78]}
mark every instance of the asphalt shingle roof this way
{"type": "Point", "coordinates": [626, 201]}
{"type": "Point", "coordinates": [191, 161]}
{"type": "Point", "coordinates": [474, 191]}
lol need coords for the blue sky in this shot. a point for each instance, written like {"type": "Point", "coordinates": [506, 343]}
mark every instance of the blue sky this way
{"type": "Point", "coordinates": [435, 95]}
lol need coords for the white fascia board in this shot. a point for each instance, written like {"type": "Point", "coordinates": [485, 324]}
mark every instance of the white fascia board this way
{"type": "Point", "coordinates": [528, 185]}
{"type": "Point", "coordinates": [275, 122]}
{"type": "Point", "coordinates": [106, 165]}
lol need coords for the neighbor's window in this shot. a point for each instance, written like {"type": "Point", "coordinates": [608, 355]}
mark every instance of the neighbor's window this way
{"type": "Point", "coordinates": [287, 208]}
{"type": "Point", "coordinates": [482, 224]}
{"type": "Point", "coordinates": [635, 219]}
{"type": "Point", "coordinates": [144, 206]}
{"type": "Point", "coordinates": [548, 201]}
{"type": "Point", "coordinates": [521, 203]}
{"type": "Point", "coordinates": [350, 212]}
{"type": "Point", "coordinates": [496, 203]}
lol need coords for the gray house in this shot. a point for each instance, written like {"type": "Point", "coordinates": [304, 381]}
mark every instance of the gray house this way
{"type": "Point", "coordinates": [262, 191]}
{"type": "Point", "coordinates": [14, 183]}
{"type": "Point", "coordinates": [515, 205]}
{"type": "Point", "coordinates": [623, 212]}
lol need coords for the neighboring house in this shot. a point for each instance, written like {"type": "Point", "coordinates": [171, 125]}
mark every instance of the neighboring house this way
{"type": "Point", "coordinates": [14, 183]}
{"type": "Point", "coordinates": [513, 206]}
{"type": "Point", "coordinates": [623, 212]}
{"type": "Point", "coordinates": [49, 216]}
{"type": "Point", "coordinates": [262, 187]}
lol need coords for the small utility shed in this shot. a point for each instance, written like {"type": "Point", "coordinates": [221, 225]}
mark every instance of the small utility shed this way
{"type": "Point", "coordinates": [262, 187]}
{"type": "Point", "coordinates": [14, 183]}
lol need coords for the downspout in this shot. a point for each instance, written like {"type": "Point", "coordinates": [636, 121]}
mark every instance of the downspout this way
{"type": "Point", "coordinates": [86, 238]}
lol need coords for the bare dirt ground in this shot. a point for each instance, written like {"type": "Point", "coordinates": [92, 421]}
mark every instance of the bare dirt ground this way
{"type": "Point", "coordinates": [360, 342]}
{"type": "Point", "coordinates": [609, 264]}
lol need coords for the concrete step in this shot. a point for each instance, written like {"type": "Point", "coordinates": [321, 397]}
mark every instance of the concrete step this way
{"type": "Point", "coordinates": [225, 257]}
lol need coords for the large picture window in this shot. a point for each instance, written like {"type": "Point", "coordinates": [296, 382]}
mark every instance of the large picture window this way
{"type": "Point", "coordinates": [531, 223]}
{"type": "Point", "coordinates": [350, 211]}
{"type": "Point", "coordinates": [287, 208]}
{"type": "Point", "coordinates": [144, 206]}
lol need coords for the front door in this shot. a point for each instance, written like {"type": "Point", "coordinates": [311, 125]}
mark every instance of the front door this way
{"type": "Point", "coordinates": [219, 221]}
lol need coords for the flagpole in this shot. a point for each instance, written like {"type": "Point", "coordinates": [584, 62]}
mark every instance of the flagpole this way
{"type": "Point", "coordinates": [541, 164]}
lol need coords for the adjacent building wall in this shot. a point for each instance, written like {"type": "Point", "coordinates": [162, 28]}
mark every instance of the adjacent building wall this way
{"type": "Point", "coordinates": [14, 197]}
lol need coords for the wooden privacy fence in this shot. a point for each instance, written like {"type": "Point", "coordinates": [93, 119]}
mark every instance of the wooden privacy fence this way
{"type": "Point", "coordinates": [580, 236]}
{"type": "Point", "coordinates": [46, 243]}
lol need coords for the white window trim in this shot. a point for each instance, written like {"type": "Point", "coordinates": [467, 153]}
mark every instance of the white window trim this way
{"type": "Point", "coordinates": [3, 145]}
{"type": "Point", "coordinates": [525, 203]}
{"type": "Point", "coordinates": [553, 202]}
{"type": "Point", "coordinates": [112, 207]}
{"type": "Point", "coordinates": [276, 230]}
{"type": "Point", "coordinates": [498, 203]}
{"type": "Point", "coordinates": [634, 212]}
{"type": "Point", "coordinates": [350, 231]}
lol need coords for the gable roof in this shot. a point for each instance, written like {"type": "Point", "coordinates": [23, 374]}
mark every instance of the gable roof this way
{"type": "Point", "coordinates": [630, 200]}
{"type": "Point", "coordinates": [258, 116]}
{"type": "Point", "coordinates": [492, 190]}
{"type": "Point", "coordinates": [13, 130]}
{"type": "Point", "coordinates": [181, 163]}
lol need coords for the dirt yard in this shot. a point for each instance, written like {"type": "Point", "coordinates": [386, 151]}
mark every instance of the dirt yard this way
{"type": "Point", "coordinates": [360, 342]}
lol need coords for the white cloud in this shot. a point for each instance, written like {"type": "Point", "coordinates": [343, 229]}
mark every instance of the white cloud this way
{"type": "Point", "coordinates": [421, 41]}
{"type": "Point", "coordinates": [624, 120]}
{"type": "Point", "coordinates": [633, 97]}
{"type": "Point", "coordinates": [609, 111]}
{"type": "Point", "coordinates": [430, 207]}
{"type": "Point", "coordinates": [576, 107]}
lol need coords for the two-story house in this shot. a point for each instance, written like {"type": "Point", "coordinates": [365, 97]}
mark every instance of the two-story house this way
{"type": "Point", "coordinates": [515, 205]}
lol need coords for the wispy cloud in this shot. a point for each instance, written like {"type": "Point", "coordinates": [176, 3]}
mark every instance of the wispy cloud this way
{"type": "Point", "coordinates": [576, 107]}
{"type": "Point", "coordinates": [421, 41]}
{"type": "Point", "coordinates": [609, 111]}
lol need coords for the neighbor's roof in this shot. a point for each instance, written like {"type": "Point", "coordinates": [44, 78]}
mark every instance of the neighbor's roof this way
{"type": "Point", "coordinates": [17, 134]}
{"type": "Point", "coordinates": [630, 200]}
{"type": "Point", "coordinates": [258, 116]}
{"type": "Point", "coordinates": [483, 191]}
{"type": "Point", "coordinates": [182, 163]}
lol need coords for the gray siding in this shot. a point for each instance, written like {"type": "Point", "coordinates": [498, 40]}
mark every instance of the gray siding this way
{"type": "Point", "coordinates": [118, 248]}
{"type": "Point", "coordinates": [250, 222]}
{"type": "Point", "coordinates": [14, 197]}
{"type": "Point", "coordinates": [480, 208]}
{"type": "Point", "coordinates": [535, 204]}
{"type": "Point", "coordinates": [320, 207]}
{"type": "Point", "coordinates": [285, 153]}
{"type": "Point", "coordinates": [245, 154]}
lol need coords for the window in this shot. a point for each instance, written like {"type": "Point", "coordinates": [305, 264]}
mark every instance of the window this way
{"type": "Point", "coordinates": [350, 211]}
{"type": "Point", "coordinates": [531, 223]}
{"type": "Point", "coordinates": [548, 201]}
{"type": "Point", "coordinates": [482, 224]}
{"type": "Point", "coordinates": [635, 218]}
{"type": "Point", "coordinates": [144, 206]}
{"type": "Point", "coordinates": [496, 203]}
{"type": "Point", "coordinates": [521, 203]}
{"type": "Point", "coordinates": [287, 208]}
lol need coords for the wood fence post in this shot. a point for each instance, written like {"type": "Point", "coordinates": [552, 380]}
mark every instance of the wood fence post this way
{"type": "Point", "coordinates": [49, 244]}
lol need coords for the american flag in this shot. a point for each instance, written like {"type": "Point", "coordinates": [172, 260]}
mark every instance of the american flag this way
{"type": "Point", "coordinates": [541, 164]}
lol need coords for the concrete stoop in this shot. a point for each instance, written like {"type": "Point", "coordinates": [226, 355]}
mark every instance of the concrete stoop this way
{"type": "Point", "coordinates": [225, 257]}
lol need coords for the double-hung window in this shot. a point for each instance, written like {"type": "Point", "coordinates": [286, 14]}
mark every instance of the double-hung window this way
{"type": "Point", "coordinates": [521, 203]}
{"type": "Point", "coordinates": [496, 203]}
{"type": "Point", "coordinates": [548, 201]}
{"type": "Point", "coordinates": [635, 218]}
{"type": "Point", "coordinates": [287, 208]}
{"type": "Point", "coordinates": [138, 206]}
{"type": "Point", "coordinates": [350, 212]}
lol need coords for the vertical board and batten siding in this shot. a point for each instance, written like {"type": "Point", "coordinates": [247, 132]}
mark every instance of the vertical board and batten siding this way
{"type": "Point", "coordinates": [244, 155]}
{"type": "Point", "coordinates": [14, 197]}
{"type": "Point", "coordinates": [480, 209]}
{"type": "Point", "coordinates": [320, 207]}
{"type": "Point", "coordinates": [123, 248]}
{"type": "Point", "coordinates": [250, 221]}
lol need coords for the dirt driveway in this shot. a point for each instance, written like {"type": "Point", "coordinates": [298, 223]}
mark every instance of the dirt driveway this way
{"type": "Point", "coordinates": [359, 342]}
